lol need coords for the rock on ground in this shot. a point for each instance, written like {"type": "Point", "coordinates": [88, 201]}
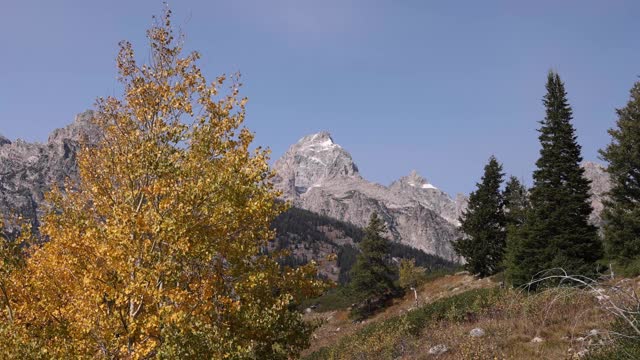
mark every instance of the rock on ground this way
{"type": "Point", "coordinates": [438, 349]}
{"type": "Point", "coordinates": [477, 332]}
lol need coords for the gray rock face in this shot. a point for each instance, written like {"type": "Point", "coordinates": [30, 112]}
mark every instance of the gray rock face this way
{"type": "Point", "coordinates": [28, 170]}
{"type": "Point", "coordinates": [4, 140]}
{"type": "Point", "coordinates": [318, 175]}
{"type": "Point", "coordinates": [419, 189]}
{"type": "Point", "coordinates": [600, 185]}
{"type": "Point", "coordinates": [315, 159]}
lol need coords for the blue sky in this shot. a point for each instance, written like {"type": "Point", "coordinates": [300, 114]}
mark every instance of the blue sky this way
{"type": "Point", "coordinates": [436, 86]}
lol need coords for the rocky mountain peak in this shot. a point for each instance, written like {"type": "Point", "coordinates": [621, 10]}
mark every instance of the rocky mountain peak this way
{"type": "Point", "coordinates": [415, 187]}
{"type": "Point", "coordinates": [320, 176]}
{"type": "Point", "coordinates": [4, 140]}
{"type": "Point", "coordinates": [415, 180]}
{"type": "Point", "coordinates": [28, 170]}
{"type": "Point", "coordinates": [312, 161]}
{"type": "Point", "coordinates": [321, 139]}
{"type": "Point", "coordinates": [81, 126]}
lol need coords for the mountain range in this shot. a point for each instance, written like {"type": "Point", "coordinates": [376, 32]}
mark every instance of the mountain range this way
{"type": "Point", "coordinates": [319, 175]}
{"type": "Point", "coordinates": [315, 174]}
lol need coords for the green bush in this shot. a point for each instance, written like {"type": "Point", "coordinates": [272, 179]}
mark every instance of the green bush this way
{"type": "Point", "coordinates": [630, 268]}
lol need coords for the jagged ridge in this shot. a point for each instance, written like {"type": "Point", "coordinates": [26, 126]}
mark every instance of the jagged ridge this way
{"type": "Point", "coordinates": [28, 170]}
{"type": "Point", "coordinates": [318, 175]}
{"type": "Point", "coordinates": [315, 174]}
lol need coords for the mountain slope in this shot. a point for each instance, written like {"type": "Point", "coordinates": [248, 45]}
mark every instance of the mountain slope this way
{"type": "Point", "coordinates": [28, 170]}
{"type": "Point", "coordinates": [333, 244]}
{"type": "Point", "coordinates": [319, 175]}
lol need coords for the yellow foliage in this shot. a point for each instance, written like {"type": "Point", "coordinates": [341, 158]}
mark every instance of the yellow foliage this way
{"type": "Point", "coordinates": [158, 250]}
{"type": "Point", "coordinates": [410, 275]}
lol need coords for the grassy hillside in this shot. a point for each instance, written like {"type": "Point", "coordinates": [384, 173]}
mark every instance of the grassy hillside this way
{"type": "Point", "coordinates": [553, 324]}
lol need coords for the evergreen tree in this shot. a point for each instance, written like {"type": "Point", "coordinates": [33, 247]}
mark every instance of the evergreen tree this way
{"type": "Point", "coordinates": [372, 276]}
{"type": "Point", "coordinates": [516, 202]}
{"type": "Point", "coordinates": [516, 205]}
{"type": "Point", "coordinates": [622, 210]}
{"type": "Point", "coordinates": [483, 224]}
{"type": "Point", "coordinates": [556, 233]}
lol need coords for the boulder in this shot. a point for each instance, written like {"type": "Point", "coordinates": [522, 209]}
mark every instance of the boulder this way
{"type": "Point", "coordinates": [438, 349]}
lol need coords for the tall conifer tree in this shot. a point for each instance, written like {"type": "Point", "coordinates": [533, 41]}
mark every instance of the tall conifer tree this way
{"type": "Point", "coordinates": [372, 275]}
{"type": "Point", "coordinates": [483, 224]}
{"type": "Point", "coordinates": [622, 210]}
{"type": "Point", "coordinates": [556, 233]}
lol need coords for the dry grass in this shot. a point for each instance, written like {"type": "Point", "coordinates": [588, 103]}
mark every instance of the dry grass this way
{"type": "Point", "coordinates": [562, 318]}
{"type": "Point", "coordinates": [338, 325]}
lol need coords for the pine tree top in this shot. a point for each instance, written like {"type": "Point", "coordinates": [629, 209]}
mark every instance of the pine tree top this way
{"type": "Point", "coordinates": [560, 155]}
